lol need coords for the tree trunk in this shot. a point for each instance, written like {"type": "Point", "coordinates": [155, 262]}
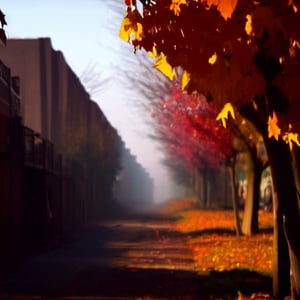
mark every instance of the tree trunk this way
{"type": "Point", "coordinates": [248, 208]}
{"type": "Point", "coordinates": [284, 201]}
{"type": "Point", "coordinates": [250, 220]}
{"type": "Point", "coordinates": [209, 194]}
{"type": "Point", "coordinates": [235, 200]}
{"type": "Point", "coordinates": [215, 188]}
{"type": "Point", "coordinates": [189, 187]}
{"type": "Point", "coordinates": [296, 164]}
{"type": "Point", "coordinates": [295, 255]}
{"type": "Point", "coordinates": [255, 168]}
{"type": "Point", "coordinates": [195, 184]}
{"type": "Point", "coordinates": [258, 168]}
{"type": "Point", "coordinates": [205, 188]}
{"type": "Point", "coordinates": [286, 219]}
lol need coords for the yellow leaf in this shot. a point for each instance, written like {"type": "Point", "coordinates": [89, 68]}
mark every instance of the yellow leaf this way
{"type": "Point", "coordinates": [175, 6]}
{"type": "Point", "coordinates": [290, 138]}
{"type": "Point", "coordinates": [186, 77]}
{"type": "Point", "coordinates": [130, 31]}
{"type": "Point", "coordinates": [273, 129]}
{"type": "Point", "coordinates": [223, 114]}
{"type": "Point", "coordinates": [153, 53]}
{"type": "Point", "coordinates": [163, 66]}
{"type": "Point", "coordinates": [138, 33]}
{"type": "Point", "coordinates": [213, 58]}
{"type": "Point", "coordinates": [125, 29]}
{"type": "Point", "coordinates": [248, 25]}
{"type": "Point", "coordinates": [135, 31]}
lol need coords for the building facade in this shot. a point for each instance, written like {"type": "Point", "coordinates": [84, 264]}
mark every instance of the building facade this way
{"type": "Point", "coordinates": [59, 155]}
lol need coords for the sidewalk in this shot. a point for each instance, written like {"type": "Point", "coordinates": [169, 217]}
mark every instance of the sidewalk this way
{"type": "Point", "coordinates": [127, 258]}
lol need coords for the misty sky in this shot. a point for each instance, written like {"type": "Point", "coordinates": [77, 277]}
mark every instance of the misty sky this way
{"type": "Point", "coordinates": [86, 31]}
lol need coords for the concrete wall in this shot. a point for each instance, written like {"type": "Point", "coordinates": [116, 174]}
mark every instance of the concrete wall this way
{"type": "Point", "coordinates": [55, 105]}
{"type": "Point", "coordinates": [45, 83]}
{"type": "Point", "coordinates": [23, 58]}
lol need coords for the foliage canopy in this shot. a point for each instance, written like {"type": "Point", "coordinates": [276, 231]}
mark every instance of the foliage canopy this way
{"type": "Point", "coordinates": [245, 53]}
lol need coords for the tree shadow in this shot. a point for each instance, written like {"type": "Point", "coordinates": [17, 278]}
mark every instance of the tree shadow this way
{"type": "Point", "coordinates": [222, 231]}
{"type": "Point", "coordinates": [268, 230]}
{"type": "Point", "coordinates": [211, 231]}
{"type": "Point", "coordinates": [230, 282]}
{"type": "Point", "coordinates": [119, 283]}
{"type": "Point", "coordinates": [90, 259]}
{"type": "Point", "coordinates": [171, 284]}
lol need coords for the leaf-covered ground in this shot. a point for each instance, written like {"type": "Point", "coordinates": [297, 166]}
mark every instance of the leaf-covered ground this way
{"type": "Point", "coordinates": [216, 247]}
{"type": "Point", "coordinates": [218, 251]}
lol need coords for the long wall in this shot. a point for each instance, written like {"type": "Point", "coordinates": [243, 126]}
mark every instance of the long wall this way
{"type": "Point", "coordinates": [50, 91]}
{"type": "Point", "coordinates": [11, 170]}
{"type": "Point", "coordinates": [59, 155]}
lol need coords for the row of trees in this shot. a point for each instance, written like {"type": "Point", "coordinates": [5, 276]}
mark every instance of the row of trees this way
{"type": "Point", "coordinates": [243, 57]}
{"type": "Point", "coordinates": [193, 137]}
{"type": "Point", "coordinates": [198, 148]}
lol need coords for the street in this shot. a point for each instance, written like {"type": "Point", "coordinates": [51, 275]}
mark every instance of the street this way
{"type": "Point", "coordinates": [133, 257]}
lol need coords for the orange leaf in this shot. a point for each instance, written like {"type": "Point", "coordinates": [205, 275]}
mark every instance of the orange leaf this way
{"type": "Point", "coordinates": [175, 6]}
{"type": "Point", "coordinates": [273, 129]}
{"type": "Point", "coordinates": [225, 7]}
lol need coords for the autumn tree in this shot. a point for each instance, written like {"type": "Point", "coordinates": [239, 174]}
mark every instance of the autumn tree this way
{"type": "Point", "coordinates": [151, 90]}
{"type": "Point", "coordinates": [245, 54]}
{"type": "Point", "coordinates": [249, 146]}
{"type": "Point", "coordinates": [187, 125]}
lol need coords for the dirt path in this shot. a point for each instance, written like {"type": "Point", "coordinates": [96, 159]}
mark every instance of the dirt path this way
{"type": "Point", "coordinates": [128, 258]}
